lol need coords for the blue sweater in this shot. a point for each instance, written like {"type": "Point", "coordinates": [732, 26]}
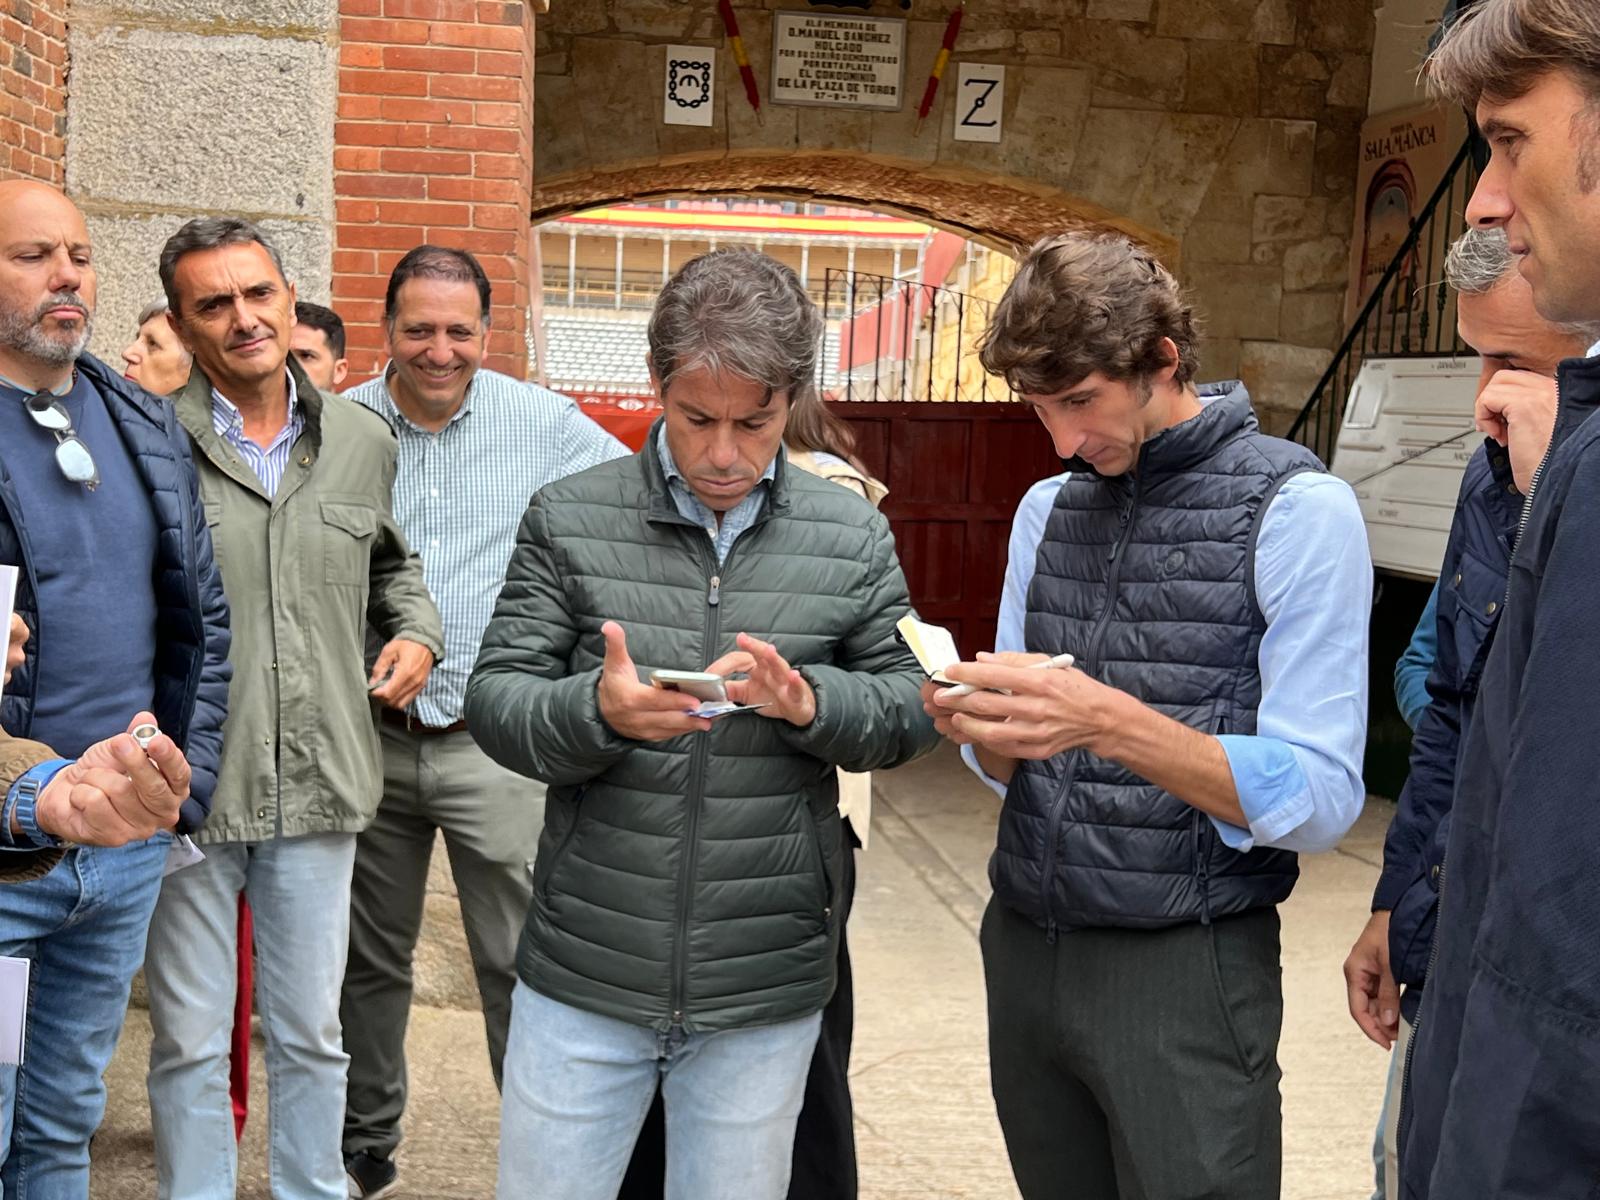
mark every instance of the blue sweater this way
{"type": "Point", "coordinates": [1411, 672]}
{"type": "Point", "coordinates": [94, 556]}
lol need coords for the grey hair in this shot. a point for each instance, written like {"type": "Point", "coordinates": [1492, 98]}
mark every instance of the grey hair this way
{"type": "Point", "coordinates": [1479, 261]}
{"type": "Point", "coordinates": [154, 309]}
{"type": "Point", "coordinates": [736, 311]}
{"type": "Point", "coordinates": [208, 233]}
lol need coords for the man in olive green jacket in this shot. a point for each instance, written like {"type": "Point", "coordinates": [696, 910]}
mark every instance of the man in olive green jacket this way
{"type": "Point", "coordinates": [686, 908]}
{"type": "Point", "coordinates": [296, 486]}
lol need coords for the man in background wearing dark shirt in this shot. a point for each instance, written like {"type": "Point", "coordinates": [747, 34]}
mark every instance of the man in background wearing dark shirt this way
{"type": "Point", "coordinates": [317, 340]}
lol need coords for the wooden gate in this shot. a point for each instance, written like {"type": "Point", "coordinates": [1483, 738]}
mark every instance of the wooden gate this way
{"type": "Point", "coordinates": [955, 474]}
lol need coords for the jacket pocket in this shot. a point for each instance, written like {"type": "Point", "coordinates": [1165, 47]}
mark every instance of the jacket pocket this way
{"type": "Point", "coordinates": [348, 527]}
{"type": "Point", "coordinates": [1242, 954]}
{"type": "Point", "coordinates": [822, 877]}
{"type": "Point", "coordinates": [1475, 593]}
{"type": "Point", "coordinates": [544, 866]}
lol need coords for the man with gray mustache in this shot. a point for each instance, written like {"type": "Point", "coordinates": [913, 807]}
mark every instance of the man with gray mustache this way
{"type": "Point", "coordinates": [123, 614]}
{"type": "Point", "coordinates": [296, 486]}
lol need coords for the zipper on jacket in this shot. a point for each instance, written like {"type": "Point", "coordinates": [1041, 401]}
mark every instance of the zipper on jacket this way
{"type": "Point", "coordinates": [696, 800]}
{"type": "Point", "coordinates": [1091, 662]}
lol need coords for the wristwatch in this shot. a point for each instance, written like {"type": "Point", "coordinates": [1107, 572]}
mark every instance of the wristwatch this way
{"type": "Point", "coordinates": [23, 804]}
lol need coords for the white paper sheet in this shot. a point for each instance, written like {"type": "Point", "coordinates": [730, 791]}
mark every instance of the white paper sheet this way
{"type": "Point", "coordinates": [13, 1008]}
{"type": "Point", "coordinates": [8, 597]}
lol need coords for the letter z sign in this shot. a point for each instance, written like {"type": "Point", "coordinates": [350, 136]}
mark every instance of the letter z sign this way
{"type": "Point", "coordinates": [979, 102]}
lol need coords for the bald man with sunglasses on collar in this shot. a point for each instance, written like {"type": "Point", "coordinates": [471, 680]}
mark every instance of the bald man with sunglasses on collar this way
{"type": "Point", "coordinates": [100, 512]}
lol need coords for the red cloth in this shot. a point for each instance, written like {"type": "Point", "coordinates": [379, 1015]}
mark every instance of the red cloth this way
{"type": "Point", "coordinates": [239, 1060]}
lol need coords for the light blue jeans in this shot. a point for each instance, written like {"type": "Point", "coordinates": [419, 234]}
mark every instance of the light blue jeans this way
{"type": "Point", "coordinates": [83, 925]}
{"type": "Point", "coordinates": [578, 1085]}
{"type": "Point", "coordinates": [299, 893]}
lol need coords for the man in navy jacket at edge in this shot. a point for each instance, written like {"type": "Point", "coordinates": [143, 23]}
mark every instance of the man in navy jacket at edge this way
{"type": "Point", "coordinates": [1500, 1099]}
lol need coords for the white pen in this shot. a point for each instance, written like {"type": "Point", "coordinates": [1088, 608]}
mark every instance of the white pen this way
{"type": "Point", "coordinates": [1059, 661]}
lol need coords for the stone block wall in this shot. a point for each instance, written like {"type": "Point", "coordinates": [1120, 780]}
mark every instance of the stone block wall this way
{"type": "Point", "coordinates": [184, 108]}
{"type": "Point", "coordinates": [433, 143]}
{"type": "Point", "coordinates": [33, 96]}
{"type": "Point", "coordinates": [1221, 132]}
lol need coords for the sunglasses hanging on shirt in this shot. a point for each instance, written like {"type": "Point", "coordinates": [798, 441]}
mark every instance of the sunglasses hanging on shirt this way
{"type": "Point", "coordinates": [72, 456]}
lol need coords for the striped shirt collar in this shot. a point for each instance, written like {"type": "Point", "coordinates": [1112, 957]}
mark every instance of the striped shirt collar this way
{"type": "Point", "coordinates": [228, 421]}
{"type": "Point", "coordinates": [267, 462]}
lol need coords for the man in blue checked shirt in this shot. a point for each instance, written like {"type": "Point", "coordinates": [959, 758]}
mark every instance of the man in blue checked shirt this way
{"type": "Point", "coordinates": [475, 445]}
{"type": "Point", "coordinates": [1215, 585]}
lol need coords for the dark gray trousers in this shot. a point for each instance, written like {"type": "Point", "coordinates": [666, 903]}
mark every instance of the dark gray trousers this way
{"type": "Point", "coordinates": [1132, 1064]}
{"type": "Point", "coordinates": [491, 819]}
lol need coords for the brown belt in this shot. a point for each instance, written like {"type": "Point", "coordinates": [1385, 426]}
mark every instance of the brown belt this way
{"type": "Point", "coordinates": [404, 720]}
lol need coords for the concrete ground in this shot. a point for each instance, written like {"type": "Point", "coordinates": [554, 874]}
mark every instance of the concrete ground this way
{"type": "Point", "coordinates": [924, 1120]}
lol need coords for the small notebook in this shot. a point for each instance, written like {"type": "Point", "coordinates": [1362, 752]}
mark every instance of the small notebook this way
{"type": "Point", "coordinates": [933, 646]}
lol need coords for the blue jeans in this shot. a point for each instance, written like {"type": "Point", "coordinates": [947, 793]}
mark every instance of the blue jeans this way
{"type": "Point", "coordinates": [83, 925]}
{"type": "Point", "coordinates": [578, 1085]}
{"type": "Point", "coordinates": [299, 893]}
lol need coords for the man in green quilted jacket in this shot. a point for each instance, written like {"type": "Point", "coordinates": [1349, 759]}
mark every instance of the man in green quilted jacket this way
{"type": "Point", "coordinates": [686, 892]}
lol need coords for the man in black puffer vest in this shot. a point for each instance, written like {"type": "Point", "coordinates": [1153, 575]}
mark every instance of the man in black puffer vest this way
{"type": "Point", "coordinates": [1214, 584]}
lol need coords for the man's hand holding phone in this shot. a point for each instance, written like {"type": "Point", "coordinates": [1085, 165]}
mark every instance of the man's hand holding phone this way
{"type": "Point", "coordinates": [634, 709]}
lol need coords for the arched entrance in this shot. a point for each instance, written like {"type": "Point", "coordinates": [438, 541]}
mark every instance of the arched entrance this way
{"type": "Point", "coordinates": [1002, 212]}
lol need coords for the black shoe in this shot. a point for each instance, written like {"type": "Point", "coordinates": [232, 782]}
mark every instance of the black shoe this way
{"type": "Point", "coordinates": [370, 1177]}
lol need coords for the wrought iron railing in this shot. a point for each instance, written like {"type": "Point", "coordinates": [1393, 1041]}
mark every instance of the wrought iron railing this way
{"type": "Point", "coordinates": [900, 339]}
{"type": "Point", "coordinates": [1410, 312]}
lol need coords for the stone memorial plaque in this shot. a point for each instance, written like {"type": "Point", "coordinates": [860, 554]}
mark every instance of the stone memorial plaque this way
{"type": "Point", "coordinates": [838, 61]}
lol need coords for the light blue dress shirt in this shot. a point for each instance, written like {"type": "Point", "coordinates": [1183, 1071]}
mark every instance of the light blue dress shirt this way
{"type": "Point", "coordinates": [735, 521]}
{"type": "Point", "coordinates": [1299, 775]}
{"type": "Point", "coordinates": [268, 462]}
{"type": "Point", "coordinates": [460, 494]}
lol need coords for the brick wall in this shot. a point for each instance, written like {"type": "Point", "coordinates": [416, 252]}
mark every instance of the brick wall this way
{"type": "Point", "coordinates": [433, 143]}
{"type": "Point", "coordinates": [33, 96]}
